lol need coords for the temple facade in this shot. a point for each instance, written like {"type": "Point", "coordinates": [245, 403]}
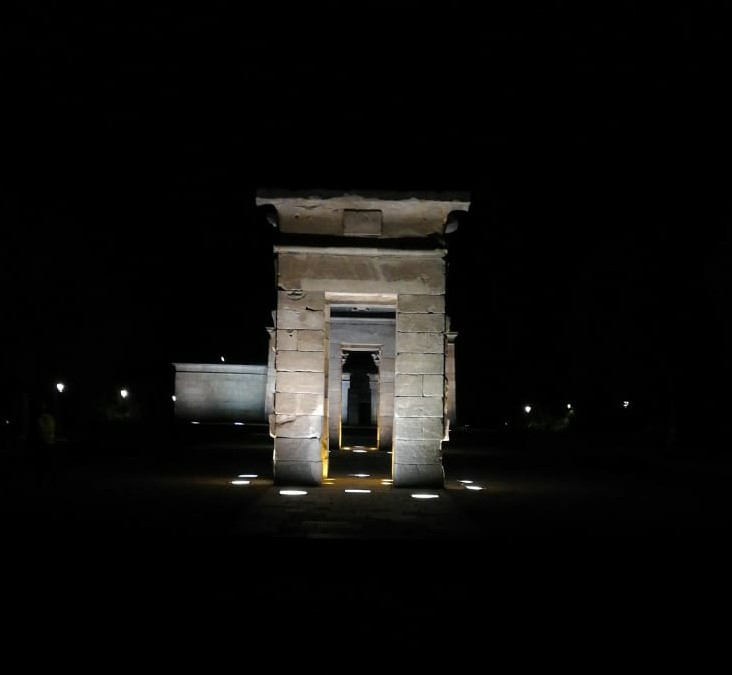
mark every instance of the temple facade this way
{"type": "Point", "coordinates": [361, 351]}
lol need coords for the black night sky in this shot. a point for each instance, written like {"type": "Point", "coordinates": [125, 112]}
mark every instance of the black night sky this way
{"type": "Point", "coordinates": [595, 144]}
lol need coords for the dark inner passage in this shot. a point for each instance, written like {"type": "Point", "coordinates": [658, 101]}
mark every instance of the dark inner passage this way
{"type": "Point", "coordinates": [360, 405]}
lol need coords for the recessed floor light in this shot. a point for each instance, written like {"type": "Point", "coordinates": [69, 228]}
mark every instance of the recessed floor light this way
{"type": "Point", "coordinates": [293, 493]}
{"type": "Point", "coordinates": [355, 490]}
{"type": "Point", "coordinates": [473, 487]}
{"type": "Point", "coordinates": [240, 482]}
{"type": "Point", "coordinates": [424, 495]}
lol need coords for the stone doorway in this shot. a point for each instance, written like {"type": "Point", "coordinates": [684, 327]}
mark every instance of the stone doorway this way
{"type": "Point", "coordinates": [359, 399]}
{"type": "Point", "coordinates": [355, 271]}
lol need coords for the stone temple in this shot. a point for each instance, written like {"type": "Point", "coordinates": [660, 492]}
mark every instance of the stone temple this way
{"type": "Point", "coordinates": [361, 352]}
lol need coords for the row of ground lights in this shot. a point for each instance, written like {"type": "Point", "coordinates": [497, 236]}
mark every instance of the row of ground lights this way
{"type": "Point", "coordinates": [244, 478]}
{"type": "Point", "coordinates": [469, 485]}
{"type": "Point", "coordinates": [288, 492]}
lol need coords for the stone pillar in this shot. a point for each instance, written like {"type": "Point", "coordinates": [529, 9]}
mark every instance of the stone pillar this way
{"type": "Point", "coordinates": [269, 389]}
{"type": "Point", "coordinates": [374, 389]}
{"type": "Point", "coordinates": [419, 391]}
{"type": "Point", "coordinates": [386, 403]}
{"type": "Point", "coordinates": [337, 394]}
{"type": "Point", "coordinates": [300, 432]}
{"type": "Point", "coordinates": [451, 391]}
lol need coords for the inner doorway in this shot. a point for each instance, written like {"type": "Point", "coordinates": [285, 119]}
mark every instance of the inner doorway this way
{"type": "Point", "coordinates": [359, 399]}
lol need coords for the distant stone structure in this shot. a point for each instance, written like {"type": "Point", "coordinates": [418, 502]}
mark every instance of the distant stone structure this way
{"type": "Point", "coordinates": [220, 392]}
{"type": "Point", "coordinates": [360, 336]}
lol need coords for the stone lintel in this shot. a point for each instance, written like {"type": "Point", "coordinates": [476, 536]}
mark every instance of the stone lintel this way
{"type": "Point", "coordinates": [325, 212]}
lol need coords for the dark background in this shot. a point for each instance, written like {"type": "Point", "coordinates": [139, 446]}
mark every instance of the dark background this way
{"type": "Point", "coordinates": [594, 267]}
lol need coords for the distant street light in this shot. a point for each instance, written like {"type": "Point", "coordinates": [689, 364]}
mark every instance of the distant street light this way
{"type": "Point", "coordinates": [626, 404]}
{"type": "Point", "coordinates": [124, 393]}
{"type": "Point", "coordinates": [173, 398]}
{"type": "Point", "coordinates": [60, 386]}
{"type": "Point", "coordinates": [527, 409]}
{"type": "Point", "coordinates": [569, 406]}
{"type": "Point", "coordinates": [222, 359]}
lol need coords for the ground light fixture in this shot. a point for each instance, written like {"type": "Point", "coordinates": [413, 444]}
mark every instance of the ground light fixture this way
{"type": "Point", "coordinates": [239, 482]}
{"type": "Point", "coordinates": [424, 495]}
{"type": "Point", "coordinates": [465, 482]}
{"type": "Point", "coordinates": [473, 487]}
{"type": "Point", "coordinates": [356, 491]}
{"type": "Point", "coordinates": [527, 409]}
{"type": "Point", "coordinates": [60, 386]}
{"type": "Point", "coordinates": [248, 475]}
{"type": "Point", "coordinates": [124, 393]}
{"type": "Point", "coordinates": [293, 493]}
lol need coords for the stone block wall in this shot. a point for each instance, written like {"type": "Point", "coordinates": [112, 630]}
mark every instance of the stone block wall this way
{"type": "Point", "coordinates": [419, 389]}
{"type": "Point", "coordinates": [298, 418]}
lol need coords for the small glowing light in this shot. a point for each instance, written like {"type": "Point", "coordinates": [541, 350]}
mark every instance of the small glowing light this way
{"type": "Point", "coordinates": [195, 422]}
{"type": "Point", "coordinates": [293, 493]}
{"type": "Point", "coordinates": [359, 450]}
{"type": "Point", "coordinates": [354, 490]}
{"type": "Point", "coordinates": [389, 452]}
{"type": "Point", "coordinates": [240, 482]}
{"type": "Point", "coordinates": [7, 421]}
{"type": "Point", "coordinates": [124, 393]}
{"type": "Point", "coordinates": [238, 424]}
{"type": "Point", "coordinates": [505, 424]}
{"type": "Point", "coordinates": [465, 481]}
{"type": "Point", "coordinates": [569, 406]}
{"type": "Point", "coordinates": [626, 404]}
{"type": "Point", "coordinates": [424, 495]}
{"type": "Point", "coordinates": [248, 475]}
{"type": "Point", "coordinates": [473, 487]}
{"type": "Point", "coordinates": [527, 409]}
{"type": "Point", "coordinates": [222, 359]}
{"type": "Point", "coordinates": [172, 398]}
{"type": "Point", "coordinates": [60, 386]}
{"type": "Point", "coordinates": [387, 481]}
{"type": "Point", "coordinates": [359, 475]}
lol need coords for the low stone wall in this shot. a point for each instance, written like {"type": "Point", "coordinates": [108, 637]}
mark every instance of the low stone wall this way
{"type": "Point", "coordinates": [220, 392]}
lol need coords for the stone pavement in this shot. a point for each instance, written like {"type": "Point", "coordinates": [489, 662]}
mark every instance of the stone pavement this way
{"type": "Point", "coordinates": [137, 555]}
{"type": "Point", "coordinates": [356, 508]}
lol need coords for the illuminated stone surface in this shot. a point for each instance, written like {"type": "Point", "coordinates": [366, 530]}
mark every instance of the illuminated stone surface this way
{"type": "Point", "coordinates": [361, 337]}
{"type": "Point", "coordinates": [219, 392]}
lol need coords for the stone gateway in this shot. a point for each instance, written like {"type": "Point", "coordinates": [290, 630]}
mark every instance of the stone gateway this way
{"type": "Point", "coordinates": [361, 352]}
